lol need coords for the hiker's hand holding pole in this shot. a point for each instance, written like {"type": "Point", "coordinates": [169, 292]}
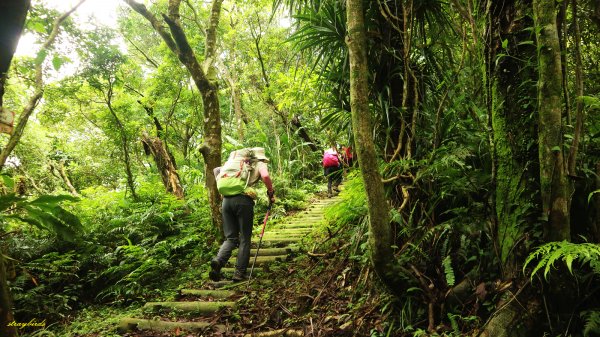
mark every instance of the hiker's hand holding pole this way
{"type": "Point", "coordinates": [271, 195]}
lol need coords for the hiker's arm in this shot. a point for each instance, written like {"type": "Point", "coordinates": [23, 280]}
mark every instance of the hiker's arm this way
{"type": "Point", "coordinates": [264, 176]}
{"type": "Point", "coordinates": [216, 171]}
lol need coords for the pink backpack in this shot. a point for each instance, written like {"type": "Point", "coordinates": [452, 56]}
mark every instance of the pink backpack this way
{"type": "Point", "coordinates": [330, 159]}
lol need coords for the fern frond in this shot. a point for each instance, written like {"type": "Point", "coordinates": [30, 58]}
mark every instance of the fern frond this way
{"type": "Point", "coordinates": [592, 323]}
{"type": "Point", "coordinates": [568, 252]}
{"type": "Point", "coordinates": [449, 271]}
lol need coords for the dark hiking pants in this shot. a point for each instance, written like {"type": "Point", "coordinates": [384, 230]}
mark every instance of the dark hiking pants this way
{"type": "Point", "coordinates": [238, 215]}
{"type": "Point", "coordinates": [334, 177]}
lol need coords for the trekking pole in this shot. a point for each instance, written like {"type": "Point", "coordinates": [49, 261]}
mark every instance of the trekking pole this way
{"type": "Point", "coordinates": [262, 232]}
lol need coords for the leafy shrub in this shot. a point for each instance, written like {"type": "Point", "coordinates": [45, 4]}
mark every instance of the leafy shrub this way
{"type": "Point", "coordinates": [127, 249]}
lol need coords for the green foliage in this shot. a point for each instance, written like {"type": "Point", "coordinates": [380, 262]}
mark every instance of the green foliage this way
{"type": "Point", "coordinates": [35, 290]}
{"type": "Point", "coordinates": [447, 264]}
{"type": "Point", "coordinates": [592, 323]}
{"type": "Point", "coordinates": [567, 252]}
{"type": "Point", "coordinates": [353, 206]}
{"type": "Point", "coordinates": [44, 212]}
{"type": "Point", "coordinates": [123, 257]}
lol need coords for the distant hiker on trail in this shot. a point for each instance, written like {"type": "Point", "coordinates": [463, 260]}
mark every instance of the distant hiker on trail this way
{"type": "Point", "coordinates": [332, 169]}
{"type": "Point", "coordinates": [347, 157]}
{"type": "Point", "coordinates": [235, 180]}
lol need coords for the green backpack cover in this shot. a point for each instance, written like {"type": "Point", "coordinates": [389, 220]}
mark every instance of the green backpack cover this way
{"type": "Point", "coordinates": [235, 173]}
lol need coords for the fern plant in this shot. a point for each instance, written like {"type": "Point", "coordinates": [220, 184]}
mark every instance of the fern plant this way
{"type": "Point", "coordinates": [548, 254]}
{"type": "Point", "coordinates": [592, 323]}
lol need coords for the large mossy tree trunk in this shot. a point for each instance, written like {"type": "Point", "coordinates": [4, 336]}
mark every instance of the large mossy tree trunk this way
{"type": "Point", "coordinates": [510, 77]}
{"type": "Point", "coordinates": [380, 236]}
{"type": "Point", "coordinates": [513, 123]}
{"type": "Point", "coordinates": [553, 177]}
{"type": "Point", "coordinates": [204, 76]}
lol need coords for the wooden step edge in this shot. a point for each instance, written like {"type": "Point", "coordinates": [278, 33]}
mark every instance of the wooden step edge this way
{"type": "Point", "coordinates": [270, 251]}
{"type": "Point", "coordinates": [217, 293]}
{"type": "Point", "coordinates": [231, 270]}
{"type": "Point", "coordinates": [261, 260]}
{"type": "Point", "coordinates": [220, 284]}
{"type": "Point", "coordinates": [293, 226]}
{"type": "Point", "coordinates": [275, 241]}
{"type": "Point", "coordinates": [129, 324]}
{"type": "Point", "coordinates": [195, 306]}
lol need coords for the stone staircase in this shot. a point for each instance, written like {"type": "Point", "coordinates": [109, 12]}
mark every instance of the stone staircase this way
{"type": "Point", "coordinates": [198, 306]}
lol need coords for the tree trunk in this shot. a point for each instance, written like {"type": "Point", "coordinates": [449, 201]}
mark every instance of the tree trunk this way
{"type": "Point", "coordinates": [301, 130]}
{"type": "Point", "coordinates": [6, 315]}
{"type": "Point", "coordinates": [65, 177]}
{"type": "Point", "coordinates": [124, 143]}
{"type": "Point", "coordinates": [165, 164]}
{"type": "Point", "coordinates": [511, 104]}
{"type": "Point", "coordinates": [380, 236]}
{"type": "Point", "coordinates": [12, 19]}
{"type": "Point", "coordinates": [206, 81]}
{"type": "Point", "coordinates": [579, 112]}
{"type": "Point", "coordinates": [513, 319]}
{"type": "Point", "coordinates": [553, 180]}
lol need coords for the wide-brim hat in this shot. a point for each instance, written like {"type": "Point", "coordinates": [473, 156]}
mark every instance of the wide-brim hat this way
{"type": "Point", "coordinates": [259, 153]}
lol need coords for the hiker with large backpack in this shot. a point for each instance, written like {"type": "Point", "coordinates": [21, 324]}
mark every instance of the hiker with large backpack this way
{"type": "Point", "coordinates": [235, 179]}
{"type": "Point", "coordinates": [332, 170]}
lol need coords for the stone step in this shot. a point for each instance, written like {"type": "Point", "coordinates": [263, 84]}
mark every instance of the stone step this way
{"type": "Point", "coordinates": [220, 294]}
{"type": "Point", "coordinates": [129, 324]}
{"type": "Point", "coordinates": [195, 306]}
{"type": "Point", "coordinates": [260, 260]}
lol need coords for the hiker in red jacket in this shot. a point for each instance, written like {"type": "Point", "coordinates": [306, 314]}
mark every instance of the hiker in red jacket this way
{"type": "Point", "coordinates": [347, 157]}
{"type": "Point", "coordinates": [332, 170]}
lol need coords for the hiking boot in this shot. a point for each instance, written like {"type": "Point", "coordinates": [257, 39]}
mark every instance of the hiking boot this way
{"type": "Point", "coordinates": [215, 270]}
{"type": "Point", "coordinates": [239, 276]}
